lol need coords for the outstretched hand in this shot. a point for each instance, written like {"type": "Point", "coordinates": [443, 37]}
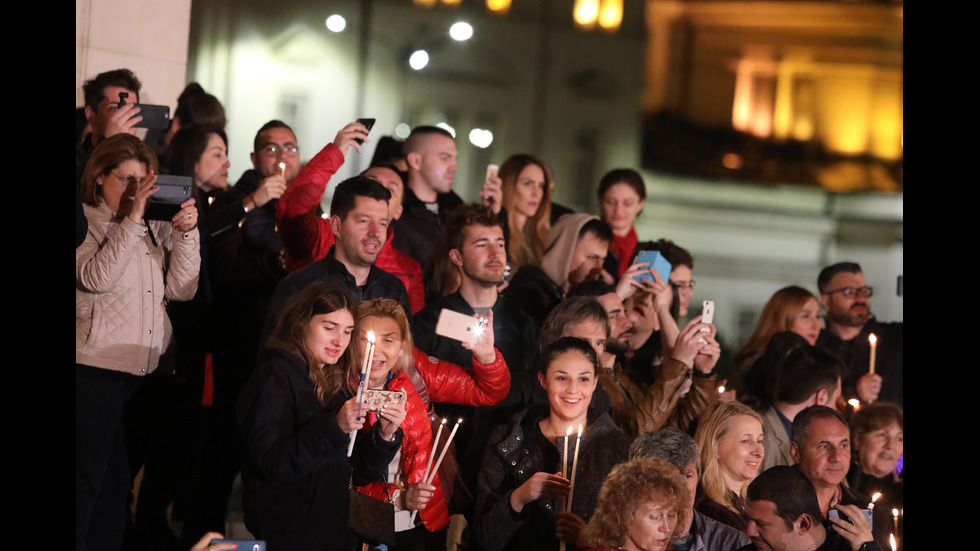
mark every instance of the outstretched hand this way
{"type": "Point", "coordinates": [483, 349]}
{"type": "Point", "coordinates": [347, 137]}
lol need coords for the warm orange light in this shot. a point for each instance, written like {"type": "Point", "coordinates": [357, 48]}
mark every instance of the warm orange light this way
{"type": "Point", "coordinates": [500, 7]}
{"type": "Point", "coordinates": [610, 15]}
{"type": "Point", "coordinates": [424, 3]}
{"type": "Point", "coordinates": [585, 13]}
{"type": "Point", "coordinates": [451, 2]}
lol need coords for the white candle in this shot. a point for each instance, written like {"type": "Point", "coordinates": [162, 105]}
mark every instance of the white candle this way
{"type": "Point", "coordinates": [432, 454]}
{"type": "Point", "coordinates": [571, 488]}
{"type": "Point", "coordinates": [435, 469]}
{"type": "Point", "coordinates": [368, 358]}
{"type": "Point", "coordinates": [564, 454]}
{"type": "Point", "coordinates": [282, 169]}
{"type": "Point", "coordinates": [874, 348]}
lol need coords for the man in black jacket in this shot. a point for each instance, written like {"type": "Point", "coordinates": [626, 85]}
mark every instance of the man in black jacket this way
{"type": "Point", "coordinates": [431, 155]}
{"type": "Point", "coordinates": [359, 220]}
{"type": "Point", "coordinates": [480, 255]}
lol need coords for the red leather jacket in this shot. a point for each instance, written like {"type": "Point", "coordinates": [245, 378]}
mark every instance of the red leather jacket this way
{"type": "Point", "coordinates": [446, 382]}
{"type": "Point", "coordinates": [307, 236]}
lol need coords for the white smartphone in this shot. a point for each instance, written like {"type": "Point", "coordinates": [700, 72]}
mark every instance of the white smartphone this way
{"type": "Point", "coordinates": [708, 311]}
{"type": "Point", "coordinates": [458, 326]}
{"type": "Point", "coordinates": [707, 316]}
{"type": "Point", "coordinates": [492, 171]}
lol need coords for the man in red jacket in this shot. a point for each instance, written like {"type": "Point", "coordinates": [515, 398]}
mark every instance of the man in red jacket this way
{"type": "Point", "coordinates": [307, 235]}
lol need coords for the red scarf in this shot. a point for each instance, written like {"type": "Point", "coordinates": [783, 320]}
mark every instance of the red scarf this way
{"type": "Point", "coordinates": [623, 247]}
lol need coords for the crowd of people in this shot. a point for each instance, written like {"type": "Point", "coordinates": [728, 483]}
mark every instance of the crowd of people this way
{"type": "Point", "coordinates": [246, 331]}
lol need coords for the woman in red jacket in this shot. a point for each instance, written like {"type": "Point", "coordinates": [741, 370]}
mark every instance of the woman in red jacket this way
{"type": "Point", "coordinates": [397, 363]}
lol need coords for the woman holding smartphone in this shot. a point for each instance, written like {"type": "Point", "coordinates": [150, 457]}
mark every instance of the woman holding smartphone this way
{"type": "Point", "coordinates": [621, 196]}
{"type": "Point", "coordinates": [295, 416]}
{"type": "Point", "coordinates": [399, 366]}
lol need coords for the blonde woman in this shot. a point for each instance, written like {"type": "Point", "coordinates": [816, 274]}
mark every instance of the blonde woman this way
{"type": "Point", "coordinates": [730, 438]}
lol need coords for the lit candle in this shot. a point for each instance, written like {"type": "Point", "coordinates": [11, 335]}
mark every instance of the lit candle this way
{"type": "Point", "coordinates": [855, 403]}
{"type": "Point", "coordinates": [571, 487]}
{"type": "Point", "coordinates": [895, 518]}
{"type": "Point", "coordinates": [368, 358]}
{"type": "Point", "coordinates": [874, 347]}
{"type": "Point", "coordinates": [432, 454]}
{"type": "Point", "coordinates": [874, 498]}
{"type": "Point", "coordinates": [891, 540]}
{"type": "Point", "coordinates": [282, 169]}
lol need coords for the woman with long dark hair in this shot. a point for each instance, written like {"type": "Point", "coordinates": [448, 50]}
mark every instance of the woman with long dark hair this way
{"type": "Point", "coordinates": [296, 415]}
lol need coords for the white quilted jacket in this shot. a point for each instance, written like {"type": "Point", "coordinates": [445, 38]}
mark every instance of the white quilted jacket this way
{"type": "Point", "coordinates": [120, 290]}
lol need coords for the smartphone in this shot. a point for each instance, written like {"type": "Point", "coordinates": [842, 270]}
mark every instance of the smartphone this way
{"type": "Point", "coordinates": [708, 311]}
{"type": "Point", "coordinates": [165, 203]}
{"type": "Point", "coordinates": [244, 545]}
{"type": "Point", "coordinates": [655, 261]}
{"type": "Point", "coordinates": [369, 124]}
{"type": "Point", "coordinates": [374, 399]}
{"type": "Point", "coordinates": [868, 515]}
{"type": "Point", "coordinates": [492, 171]}
{"type": "Point", "coordinates": [707, 316]}
{"type": "Point", "coordinates": [458, 326]}
{"type": "Point", "coordinates": [154, 116]}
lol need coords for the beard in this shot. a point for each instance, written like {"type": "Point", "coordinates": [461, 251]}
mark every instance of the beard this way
{"type": "Point", "coordinates": [617, 346]}
{"type": "Point", "coordinates": [485, 277]}
{"type": "Point", "coordinates": [856, 316]}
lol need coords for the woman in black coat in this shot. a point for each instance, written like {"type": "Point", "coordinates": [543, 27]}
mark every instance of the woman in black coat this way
{"type": "Point", "coordinates": [295, 415]}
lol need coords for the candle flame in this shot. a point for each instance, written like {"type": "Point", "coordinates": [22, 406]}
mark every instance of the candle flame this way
{"type": "Point", "coordinates": [460, 421]}
{"type": "Point", "coordinates": [872, 338]}
{"type": "Point", "coordinates": [444, 420]}
{"type": "Point", "coordinates": [282, 165]}
{"type": "Point", "coordinates": [721, 389]}
{"type": "Point", "coordinates": [894, 512]}
{"type": "Point", "coordinates": [580, 431]}
{"type": "Point", "coordinates": [569, 431]}
{"type": "Point", "coordinates": [875, 497]}
{"type": "Point", "coordinates": [370, 337]}
{"type": "Point", "coordinates": [891, 541]}
{"type": "Point", "coordinates": [854, 402]}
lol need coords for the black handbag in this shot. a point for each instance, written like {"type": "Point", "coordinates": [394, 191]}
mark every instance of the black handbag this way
{"type": "Point", "coordinates": [369, 518]}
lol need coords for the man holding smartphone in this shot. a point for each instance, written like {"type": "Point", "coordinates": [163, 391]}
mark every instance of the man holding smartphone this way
{"type": "Point", "coordinates": [110, 109]}
{"type": "Point", "coordinates": [480, 255]}
{"type": "Point", "coordinates": [821, 446]}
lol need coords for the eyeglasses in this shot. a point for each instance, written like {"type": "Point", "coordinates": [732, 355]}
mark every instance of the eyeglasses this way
{"type": "Point", "coordinates": [682, 285]}
{"type": "Point", "coordinates": [853, 291]}
{"type": "Point", "coordinates": [130, 179]}
{"type": "Point", "coordinates": [274, 149]}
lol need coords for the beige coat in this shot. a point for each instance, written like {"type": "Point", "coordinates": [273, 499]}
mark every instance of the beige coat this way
{"type": "Point", "coordinates": [121, 292]}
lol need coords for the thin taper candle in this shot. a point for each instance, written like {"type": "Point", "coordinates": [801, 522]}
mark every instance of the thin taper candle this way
{"type": "Point", "coordinates": [571, 488]}
{"type": "Point", "coordinates": [368, 358]}
{"type": "Point", "coordinates": [874, 348]}
{"type": "Point", "coordinates": [435, 468]}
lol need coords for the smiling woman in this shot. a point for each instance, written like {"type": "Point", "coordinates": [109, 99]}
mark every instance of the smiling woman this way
{"type": "Point", "coordinates": [398, 366]}
{"type": "Point", "coordinates": [522, 489]}
{"type": "Point", "coordinates": [295, 415]}
{"type": "Point", "coordinates": [730, 437]}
